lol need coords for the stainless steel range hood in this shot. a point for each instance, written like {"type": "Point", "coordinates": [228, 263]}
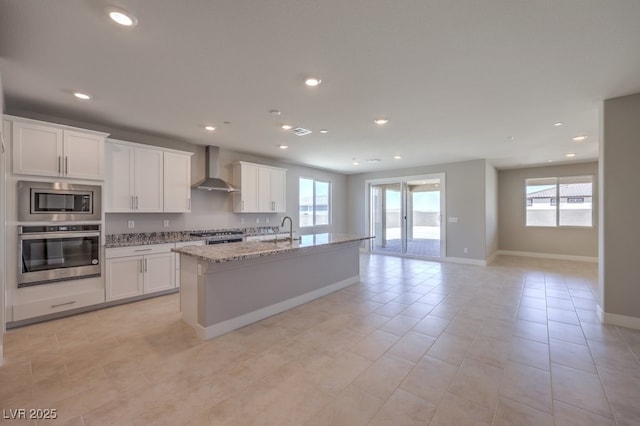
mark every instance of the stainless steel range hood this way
{"type": "Point", "coordinates": [212, 182]}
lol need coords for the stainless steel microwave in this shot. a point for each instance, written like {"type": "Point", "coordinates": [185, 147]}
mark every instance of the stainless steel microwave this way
{"type": "Point", "coordinates": [58, 202]}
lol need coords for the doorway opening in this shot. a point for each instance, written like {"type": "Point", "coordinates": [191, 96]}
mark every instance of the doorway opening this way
{"type": "Point", "coordinates": [405, 216]}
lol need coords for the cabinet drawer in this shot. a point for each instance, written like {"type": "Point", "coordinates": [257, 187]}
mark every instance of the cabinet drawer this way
{"type": "Point", "coordinates": [57, 304]}
{"type": "Point", "coordinates": [114, 252]}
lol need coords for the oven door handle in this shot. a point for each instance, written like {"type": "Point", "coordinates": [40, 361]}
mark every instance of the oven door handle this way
{"type": "Point", "coordinates": [51, 235]}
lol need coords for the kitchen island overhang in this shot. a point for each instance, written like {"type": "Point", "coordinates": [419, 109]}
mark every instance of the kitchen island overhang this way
{"type": "Point", "coordinates": [227, 286]}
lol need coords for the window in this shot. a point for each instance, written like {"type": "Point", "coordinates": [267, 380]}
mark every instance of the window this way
{"type": "Point", "coordinates": [565, 201]}
{"type": "Point", "coordinates": [314, 203]}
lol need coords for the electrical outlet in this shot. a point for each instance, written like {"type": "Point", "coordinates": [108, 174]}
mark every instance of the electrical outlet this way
{"type": "Point", "coordinates": [165, 223]}
{"type": "Point", "coordinates": [267, 220]}
{"type": "Point", "coordinates": [242, 221]}
{"type": "Point", "coordinates": [466, 250]}
{"type": "Point", "coordinates": [131, 224]}
{"type": "Point", "coordinates": [257, 220]}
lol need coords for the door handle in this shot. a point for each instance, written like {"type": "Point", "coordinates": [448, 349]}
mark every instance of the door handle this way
{"type": "Point", "coordinates": [273, 206]}
{"type": "Point", "coordinates": [145, 265]}
{"type": "Point", "coordinates": [136, 202]}
{"type": "Point", "coordinates": [59, 164]}
{"type": "Point", "coordinates": [141, 270]}
{"type": "Point", "coordinates": [66, 165]}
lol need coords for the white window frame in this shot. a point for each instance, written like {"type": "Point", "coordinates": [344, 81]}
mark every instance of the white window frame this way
{"type": "Point", "coordinates": [557, 203]}
{"type": "Point", "coordinates": [313, 209]}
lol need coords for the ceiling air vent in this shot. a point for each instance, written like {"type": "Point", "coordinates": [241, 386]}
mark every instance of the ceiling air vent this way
{"type": "Point", "coordinates": [300, 131]}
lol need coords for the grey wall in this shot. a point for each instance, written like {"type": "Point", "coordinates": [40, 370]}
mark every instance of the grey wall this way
{"type": "Point", "coordinates": [515, 236]}
{"type": "Point", "coordinates": [491, 215]}
{"type": "Point", "coordinates": [465, 199]}
{"type": "Point", "coordinates": [619, 228]}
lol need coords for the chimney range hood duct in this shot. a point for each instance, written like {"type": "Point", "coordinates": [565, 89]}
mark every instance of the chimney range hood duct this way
{"type": "Point", "coordinates": [212, 182]}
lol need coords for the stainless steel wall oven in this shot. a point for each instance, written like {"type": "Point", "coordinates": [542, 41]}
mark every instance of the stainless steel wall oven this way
{"type": "Point", "coordinates": [60, 252]}
{"type": "Point", "coordinates": [58, 202]}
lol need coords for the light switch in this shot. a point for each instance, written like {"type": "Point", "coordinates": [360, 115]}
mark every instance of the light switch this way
{"type": "Point", "coordinates": [131, 224]}
{"type": "Point", "coordinates": [453, 219]}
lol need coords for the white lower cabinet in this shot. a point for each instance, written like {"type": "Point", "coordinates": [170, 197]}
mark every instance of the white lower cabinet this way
{"type": "Point", "coordinates": [138, 270]}
{"type": "Point", "coordinates": [53, 298]}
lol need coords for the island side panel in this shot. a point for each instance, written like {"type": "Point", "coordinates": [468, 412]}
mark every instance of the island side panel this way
{"type": "Point", "coordinates": [235, 289]}
{"type": "Point", "coordinates": [189, 289]}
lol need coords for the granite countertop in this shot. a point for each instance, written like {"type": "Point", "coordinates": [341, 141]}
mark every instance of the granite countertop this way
{"type": "Point", "coordinates": [221, 253]}
{"type": "Point", "coordinates": [147, 238]}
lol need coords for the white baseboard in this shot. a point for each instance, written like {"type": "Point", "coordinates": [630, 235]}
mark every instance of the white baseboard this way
{"type": "Point", "coordinates": [548, 256]}
{"type": "Point", "coordinates": [619, 320]}
{"type": "Point", "coordinates": [206, 333]}
{"type": "Point", "coordinates": [491, 258]}
{"type": "Point", "coordinates": [465, 261]}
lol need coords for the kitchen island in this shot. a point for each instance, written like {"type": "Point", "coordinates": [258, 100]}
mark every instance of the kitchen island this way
{"type": "Point", "coordinates": [228, 286]}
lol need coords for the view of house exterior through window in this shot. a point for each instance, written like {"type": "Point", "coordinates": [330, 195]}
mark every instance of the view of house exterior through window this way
{"type": "Point", "coordinates": [314, 202]}
{"type": "Point", "coordinates": [565, 201]}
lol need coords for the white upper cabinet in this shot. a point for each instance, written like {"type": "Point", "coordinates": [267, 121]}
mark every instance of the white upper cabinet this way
{"type": "Point", "coordinates": [245, 177]}
{"type": "Point", "coordinates": [278, 190]}
{"type": "Point", "coordinates": [148, 176]}
{"type": "Point", "coordinates": [177, 182]}
{"type": "Point", "coordinates": [145, 179]}
{"type": "Point", "coordinates": [262, 188]}
{"type": "Point", "coordinates": [44, 149]}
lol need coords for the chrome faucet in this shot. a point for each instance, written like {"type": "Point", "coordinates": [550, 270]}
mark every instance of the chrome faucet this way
{"type": "Point", "coordinates": [290, 227]}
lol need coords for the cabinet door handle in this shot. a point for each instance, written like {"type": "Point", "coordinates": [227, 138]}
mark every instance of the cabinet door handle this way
{"type": "Point", "coordinates": [148, 249]}
{"type": "Point", "coordinates": [131, 202]}
{"type": "Point", "coordinates": [63, 304]}
{"type": "Point", "coordinates": [136, 202]}
{"type": "Point", "coordinates": [66, 165]}
{"type": "Point", "coordinates": [59, 164]}
{"type": "Point", "coordinates": [145, 265]}
{"type": "Point", "coordinates": [273, 206]}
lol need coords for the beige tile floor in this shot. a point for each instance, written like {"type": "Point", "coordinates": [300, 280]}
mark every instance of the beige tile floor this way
{"type": "Point", "coordinates": [416, 342]}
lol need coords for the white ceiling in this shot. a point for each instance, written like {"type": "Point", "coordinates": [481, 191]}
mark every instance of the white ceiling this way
{"type": "Point", "coordinates": [456, 78]}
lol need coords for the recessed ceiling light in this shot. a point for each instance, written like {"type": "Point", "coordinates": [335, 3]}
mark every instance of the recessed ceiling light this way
{"type": "Point", "coordinates": [549, 161]}
{"type": "Point", "coordinates": [82, 96]}
{"type": "Point", "coordinates": [324, 131]}
{"type": "Point", "coordinates": [355, 163]}
{"type": "Point", "coordinates": [373, 160]}
{"type": "Point", "coordinates": [284, 146]}
{"type": "Point", "coordinates": [579, 138]}
{"type": "Point", "coordinates": [209, 128]}
{"type": "Point", "coordinates": [397, 157]}
{"type": "Point", "coordinates": [381, 121]}
{"type": "Point", "coordinates": [558, 124]}
{"type": "Point", "coordinates": [511, 138]}
{"type": "Point", "coordinates": [122, 17]}
{"type": "Point", "coordinates": [274, 112]}
{"type": "Point", "coordinates": [571, 154]}
{"type": "Point", "coordinates": [312, 81]}
{"type": "Point", "coordinates": [287, 127]}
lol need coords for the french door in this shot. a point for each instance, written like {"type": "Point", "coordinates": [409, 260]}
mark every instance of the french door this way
{"type": "Point", "coordinates": [405, 216]}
